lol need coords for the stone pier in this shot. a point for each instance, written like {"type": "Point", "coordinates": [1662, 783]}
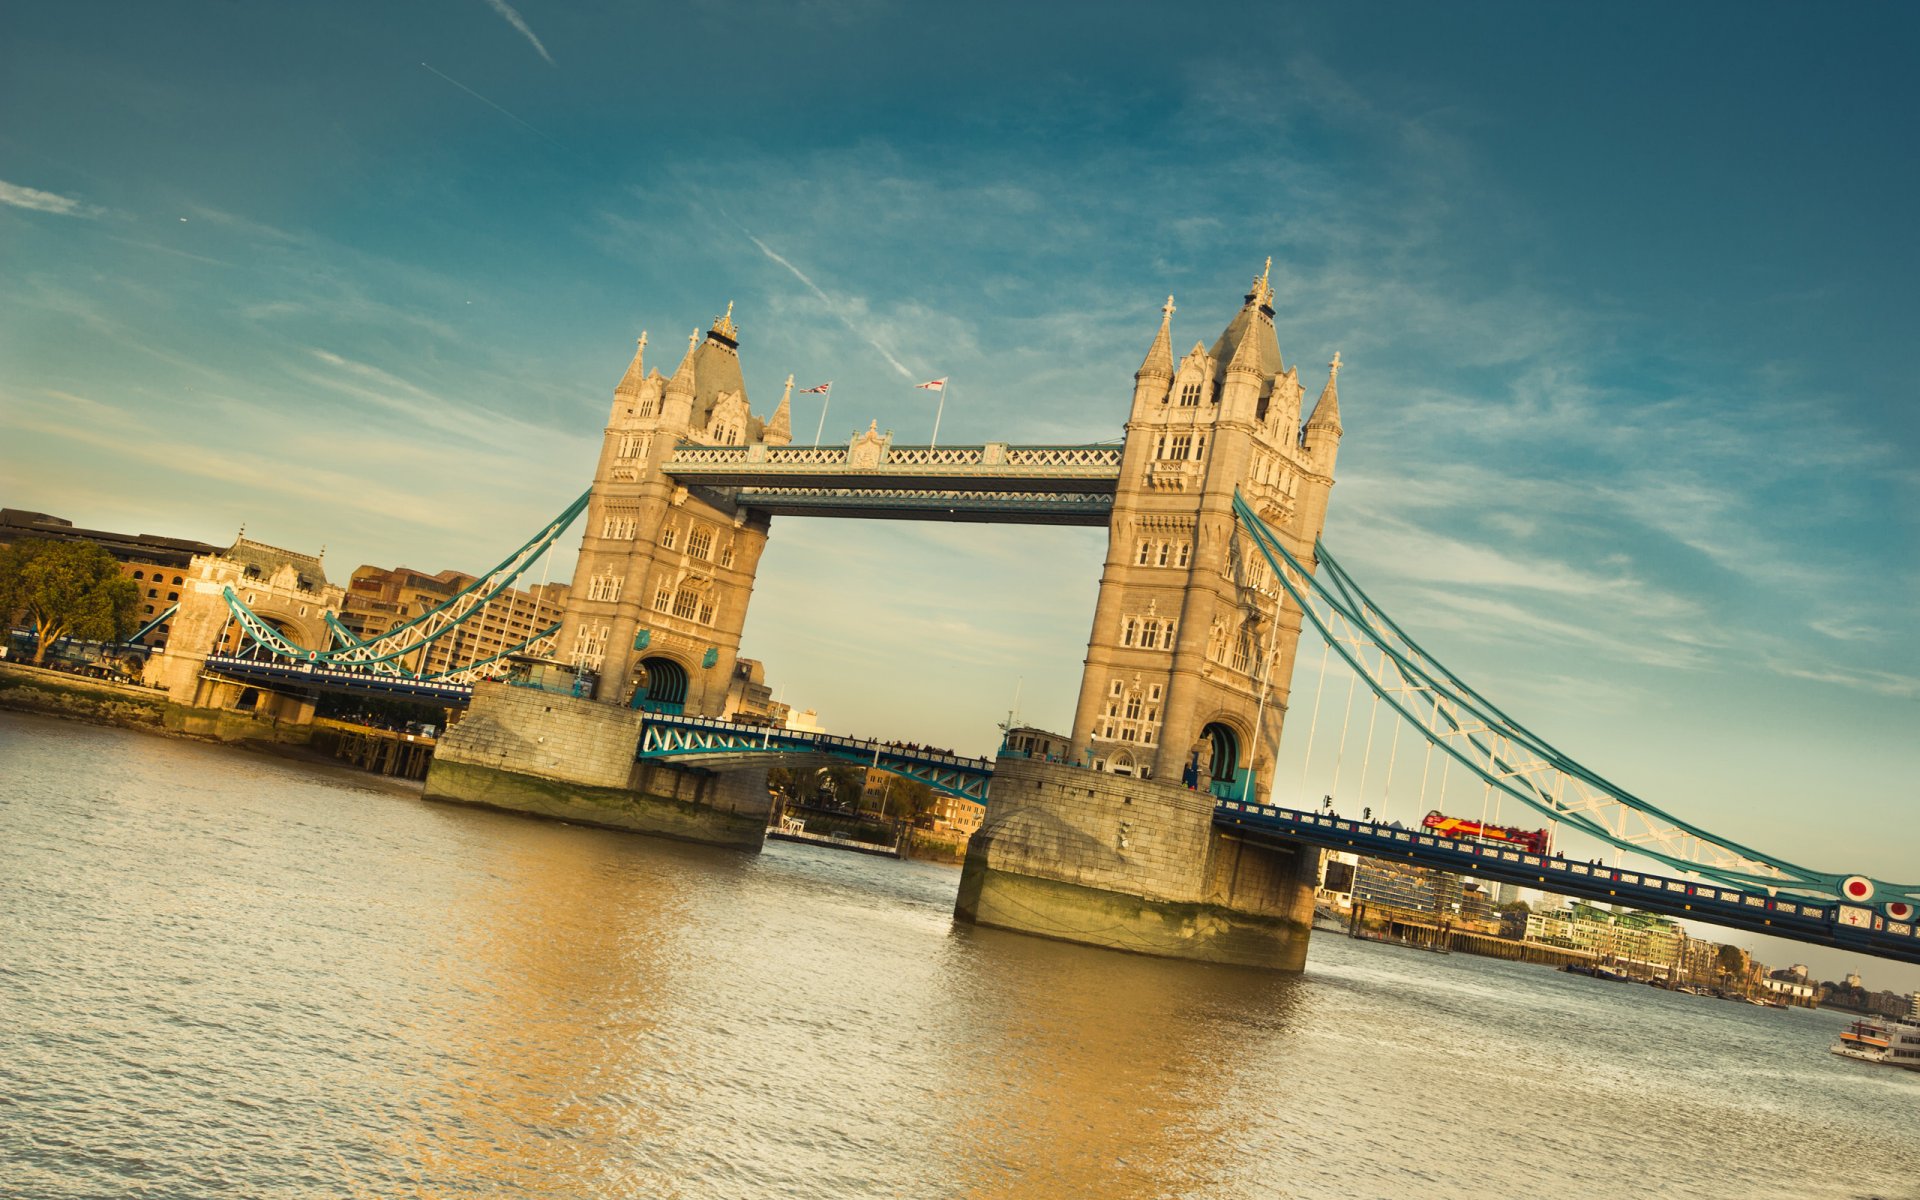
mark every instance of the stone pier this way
{"type": "Point", "coordinates": [526, 750]}
{"type": "Point", "coordinates": [1132, 864]}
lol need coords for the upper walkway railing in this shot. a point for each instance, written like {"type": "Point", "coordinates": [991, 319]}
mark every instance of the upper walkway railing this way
{"type": "Point", "coordinates": [993, 466]}
{"type": "Point", "coordinates": [994, 482]}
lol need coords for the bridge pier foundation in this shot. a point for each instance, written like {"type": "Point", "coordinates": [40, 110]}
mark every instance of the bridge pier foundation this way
{"type": "Point", "coordinates": [543, 754]}
{"type": "Point", "coordinates": [1136, 865]}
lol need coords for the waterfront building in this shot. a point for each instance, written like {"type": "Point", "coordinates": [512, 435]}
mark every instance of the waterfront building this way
{"type": "Point", "coordinates": [379, 599]}
{"type": "Point", "coordinates": [750, 699]}
{"type": "Point", "coordinates": [956, 818]}
{"type": "Point", "coordinates": [1632, 939]}
{"type": "Point", "coordinates": [1789, 988]}
{"type": "Point", "coordinates": [157, 565]}
{"type": "Point", "coordinates": [1381, 883]}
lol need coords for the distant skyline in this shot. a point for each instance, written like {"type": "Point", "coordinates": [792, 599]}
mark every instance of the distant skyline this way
{"type": "Point", "coordinates": [1623, 296]}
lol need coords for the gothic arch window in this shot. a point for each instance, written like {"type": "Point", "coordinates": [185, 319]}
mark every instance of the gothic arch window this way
{"type": "Point", "coordinates": [1190, 394]}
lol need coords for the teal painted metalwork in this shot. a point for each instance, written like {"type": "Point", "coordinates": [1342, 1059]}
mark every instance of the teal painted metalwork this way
{"type": "Point", "coordinates": [150, 626]}
{"type": "Point", "coordinates": [1478, 735]}
{"type": "Point", "coordinates": [673, 738]}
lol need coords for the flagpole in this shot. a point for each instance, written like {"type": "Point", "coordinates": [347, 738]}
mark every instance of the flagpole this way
{"type": "Point", "coordinates": [945, 383]}
{"type": "Point", "coordinates": [826, 399]}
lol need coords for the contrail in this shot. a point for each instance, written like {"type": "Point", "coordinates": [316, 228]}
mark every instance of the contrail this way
{"type": "Point", "coordinates": [832, 307]}
{"type": "Point", "coordinates": [513, 18]}
{"type": "Point", "coordinates": [490, 104]}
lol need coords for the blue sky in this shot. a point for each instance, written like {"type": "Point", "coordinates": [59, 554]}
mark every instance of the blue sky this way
{"type": "Point", "coordinates": [1624, 296]}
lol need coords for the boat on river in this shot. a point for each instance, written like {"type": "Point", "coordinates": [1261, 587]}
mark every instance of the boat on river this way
{"type": "Point", "coordinates": [1892, 1043]}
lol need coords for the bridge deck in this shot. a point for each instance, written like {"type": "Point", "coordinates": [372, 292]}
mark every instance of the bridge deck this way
{"type": "Point", "coordinates": [1825, 923]}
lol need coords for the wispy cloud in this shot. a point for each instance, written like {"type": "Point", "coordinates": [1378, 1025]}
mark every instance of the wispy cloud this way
{"type": "Point", "coordinates": [514, 19]}
{"type": "Point", "coordinates": [47, 202]}
{"type": "Point", "coordinates": [509, 115]}
{"type": "Point", "coordinates": [838, 309]}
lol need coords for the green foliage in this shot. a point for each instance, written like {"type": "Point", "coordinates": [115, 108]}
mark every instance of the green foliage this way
{"type": "Point", "coordinates": [1731, 960]}
{"type": "Point", "coordinates": [1515, 906]}
{"type": "Point", "coordinates": [908, 798]}
{"type": "Point", "coordinates": [66, 589]}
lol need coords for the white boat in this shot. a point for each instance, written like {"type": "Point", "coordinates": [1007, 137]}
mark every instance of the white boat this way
{"type": "Point", "coordinates": [1893, 1043]}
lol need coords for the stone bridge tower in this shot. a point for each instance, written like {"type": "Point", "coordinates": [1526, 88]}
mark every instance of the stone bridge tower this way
{"type": "Point", "coordinates": [1186, 679]}
{"type": "Point", "coordinates": [1192, 648]}
{"type": "Point", "coordinates": [660, 592]}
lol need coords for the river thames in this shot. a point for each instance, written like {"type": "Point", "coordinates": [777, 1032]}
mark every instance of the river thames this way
{"type": "Point", "coordinates": [224, 974]}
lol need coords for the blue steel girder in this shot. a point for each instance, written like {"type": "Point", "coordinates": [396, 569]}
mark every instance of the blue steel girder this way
{"type": "Point", "coordinates": [669, 737]}
{"type": "Point", "coordinates": [1087, 510]}
{"type": "Point", "coordinates": [1818, 921]}
{"type": "Point", "coordinates": [321, 677]}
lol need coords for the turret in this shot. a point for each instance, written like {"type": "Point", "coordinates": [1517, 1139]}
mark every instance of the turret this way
{"type": "Point", "coordinates": [779, 430]}
{"type": "Point", "coordinates": [626, 393]}
{"type": "Point", "coordinates": [1155, 376]}
{"type": "Point", "coordinates": [677, 413]}
{"type": "Point", "coordinates": [1320, 440]}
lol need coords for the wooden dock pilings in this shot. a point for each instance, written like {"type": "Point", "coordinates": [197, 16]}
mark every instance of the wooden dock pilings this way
{"type": "Point", "coordinates": [380, 751]}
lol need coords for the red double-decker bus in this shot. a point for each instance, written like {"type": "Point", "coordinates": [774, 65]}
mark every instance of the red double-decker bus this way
{"type": "Point", "coordinates": [1533, 841]}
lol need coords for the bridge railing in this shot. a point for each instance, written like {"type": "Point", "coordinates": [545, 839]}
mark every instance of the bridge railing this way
{"type": "Point", "coordinates": [1800, 917]}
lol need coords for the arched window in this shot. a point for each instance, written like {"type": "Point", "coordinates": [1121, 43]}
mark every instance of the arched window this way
{"type": "Point", "coordinates": [1190, 395]}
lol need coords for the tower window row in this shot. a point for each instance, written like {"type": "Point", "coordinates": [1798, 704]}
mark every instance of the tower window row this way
{"type": "Point", "coordinates": [620, 525]}
{"type": "Point", "coordinates": [604, 587]}
{"type": "Point", "coordinates": [1131, 714]}
{"type": "Point", "coordinates": [1162, 554]}
{"type": "Point", "coordinates": [590, 646]}
{"type": "Point", "coordinates": [635, 445]}
{"type": "Point", "coordinates": [1148, 633]}
{"type": "Point", "coordinates": [687, 603]}
{"type": "Point", "coordinates": [1181, 447]}
{"type": "Point", "coordinates": [1239, 651]}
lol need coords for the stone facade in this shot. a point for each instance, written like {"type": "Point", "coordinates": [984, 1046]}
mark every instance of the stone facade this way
{"type": "Point", "coordinates": [1191, 653]}
{"type": "Point", "coordinates": [1132, 864]}
{"type": "Point", "coordinates": [660, 593]}
{"type": "Point", "coordinates": [288, 589]}
{"type": "Point", "coordinates": [527, 750]}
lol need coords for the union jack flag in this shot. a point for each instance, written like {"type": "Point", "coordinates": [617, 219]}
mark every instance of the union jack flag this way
{"type": "Point", "coordinates": [933, 385]}
{"type": "Point", "coordinates": [823, 387]}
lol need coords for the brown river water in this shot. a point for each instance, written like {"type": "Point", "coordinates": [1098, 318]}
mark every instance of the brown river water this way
{"type": "Point", "coordinates": [224, 974]}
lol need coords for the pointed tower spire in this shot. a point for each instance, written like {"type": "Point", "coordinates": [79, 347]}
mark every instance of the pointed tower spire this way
{"type": "Point", "coordinates": [636, 370]}
{"type": "Point", "coordinates": [682, 380]}
{"type": "Point", "coordinates": [780, 428]}
{"type": "Point", "coordinates": [1159, 360]}
{"type": "Point", "coordinates": [1326, 414]}
{"type": "Point", "coordinates": [1246, 356]}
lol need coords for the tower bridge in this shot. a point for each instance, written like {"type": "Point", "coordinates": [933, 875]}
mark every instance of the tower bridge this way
{"type": "Point", "coordinates": [1157, 836]}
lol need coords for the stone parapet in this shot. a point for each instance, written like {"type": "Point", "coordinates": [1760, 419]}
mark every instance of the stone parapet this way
{"type": "Point", "coordinates": [1135, 865]}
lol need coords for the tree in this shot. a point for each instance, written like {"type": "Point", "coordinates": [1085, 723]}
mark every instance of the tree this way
{"type": "Point", "coordinates": [908, 798]}
{"type": "Point", "coordinates": [66, 589]}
